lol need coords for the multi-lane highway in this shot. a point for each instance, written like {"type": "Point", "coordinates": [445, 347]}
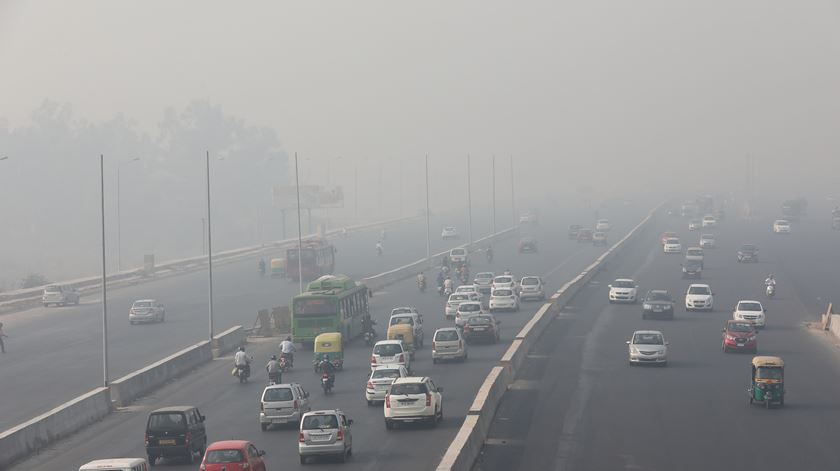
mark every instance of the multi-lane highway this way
{"type": "Point", "coordinates": [578, 405]}
{"type": "Point", "coordinates": [55, 354]}
{"type": "Point", "coordinates": [232, 409]}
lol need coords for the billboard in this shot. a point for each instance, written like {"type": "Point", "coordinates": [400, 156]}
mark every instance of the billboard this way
{"type": "Point", "coordinates": [311, 197]}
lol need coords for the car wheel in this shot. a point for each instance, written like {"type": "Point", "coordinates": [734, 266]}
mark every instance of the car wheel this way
{"type": "Point", "coordinates": [152, 460]}
{"type": "Point", "coordinates": [370, 403]}
{"type": "Point", "coordinates": [303, 460]}
{"type": "Point", "coordinates": [343, 457]}
{"type": "Point", "coordinates": [663, 364]}
{"type": "Point", "coordinates": [388, 425]}
{"type": "Point", "coordinates": [190, 456]}
{"type": "Point", "coordinates": [612, 302]}
{"type": "Point", "coordinates": [434, 361]}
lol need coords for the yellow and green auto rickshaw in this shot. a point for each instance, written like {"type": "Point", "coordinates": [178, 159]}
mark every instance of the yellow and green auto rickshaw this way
{"type": "Point", "coordinates": [278, 267]}
{"type": "Point", "coordinates": [404, 332]}
{"type": "Point", "coordinates": [767, 384]}
{"type": "Point", "coordinates": [328, 345]}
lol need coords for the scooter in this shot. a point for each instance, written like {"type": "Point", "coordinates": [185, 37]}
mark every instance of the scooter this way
{"type": "Point", "coordinates": [326, 383]}
{"type": "Point", "coordinates": [771, 291]}
{"type": "Point", "coordinates": [285, 363]}
{"type": "Point", "coordinates": [274, 378]}
{"type": "Point", "coordinates": [440, 290]}
{"type": "Point", "coordinates": [370, 338]}
{"type": "Point", "coordinates": [421, 284]}
{"type": "Point", "coordinates": [243, 372]}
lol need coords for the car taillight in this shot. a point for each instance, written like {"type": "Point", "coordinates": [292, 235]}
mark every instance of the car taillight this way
{"type": "Point", "coordinates": [148, 439]}
{"type": "Point", "coordinates": [339, 436]}
{"type": "Point", "coordinates": [370, 385]}
{"type": "Point", "coordinates": [428, 399]}
{"type": "Point", "coordinates": [246, 465]}
{"type": "Point", "coordinates": [187, 438]}
{"type": "Point", "coordinates": [402, 357]}
{"type": "Point", "coordinates": [296, 404]}
{"type": "Point", "coordinates": [262, 407]}
{"type": "Point", "coordinates": [300, 437]}
{"type": "Point", "coordinates": [373, 359]}
{"type": "Point", "coordinates": [202, 467]}
{"type": "Point", "coordinates": [387, 401]}
{"type": "Point", "coordinates": [466, 328]}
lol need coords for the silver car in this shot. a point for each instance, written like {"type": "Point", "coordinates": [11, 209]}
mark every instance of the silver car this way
{"type": "Point", "coordinates": [448, 344]}
{"type": "Point", "coordinates": [60, 295]}
{"type": "Point", "coordinates": [531, 287]}
{"type": "Point", "coordinates": [380, 381]}
{"type": "Point", "coordinates": [146, 310]}
{"type": "Point", "coordinates": [283, 404]}
{"type": "Point", "coordinates": [648, 346]}
{"type": "Point", "coordinates": [325, 433]}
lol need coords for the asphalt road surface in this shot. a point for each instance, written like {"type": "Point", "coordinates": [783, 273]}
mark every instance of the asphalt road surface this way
{"type": "Point", "coordinates": [578, 405]}
{"type": "Point", "coordinates": [232, 409]}
{"type": "Point", "coordinates": [55, 354]}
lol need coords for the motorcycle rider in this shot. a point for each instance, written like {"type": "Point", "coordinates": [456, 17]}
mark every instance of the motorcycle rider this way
{"type": "Point", "coordinates": [489, 252]}
{"type": "Point", "coordinates": [379, 247]}
{"type": "Point", "coordinates": [367, 324]}
{"type": "Point", "coordinates": [508, 273]}
{"type": "Point", "coordinates": [327, 367]}
{"type": "Point", "coordinates": [287, 349]}
{"type": "Point", "coordinates": [275, 375]}
{"type": "Point", "coordinates": [421, 281]}
{"type": "Point", "coordinates": [447, 285]}
{"type": "Point", "coordinates": [242, 362]}
{"type": "Point", "coordinates": [261, 266]}
{"type": "Point", "coordinates": [770, 281]}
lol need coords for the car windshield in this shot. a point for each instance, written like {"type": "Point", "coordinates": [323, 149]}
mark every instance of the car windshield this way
{"type": "Point", "coordinates": [782, 223]}
{"type": "Point", "coordinates": [766, 372]}
{"type": "Point", "coordinates": [408, 388]}
{"type": "Point", "coordinates": [53, 289]}
{"type": "Point", "coordinates": [672, 241]}
{"type": "Point", "coordinates": [623, 284]}
{"type": "Point", "coordinates": [529, 281]}
{"type": "Point", "coordinates": [167, 421]}
{"type": "Point", "coordinates": [387, 350]}
{"type": "Point", "coordinates": [740, 327]}
{"type": "Point", "coordinates": [402, 320]}
{"type": "Point", "coordinates": [385, 373]}
{"type": "Point", "coordinates": [223, 456]}
{"type": "Point", "coordinates": [748, 248]}
{"type": "Point", "coordinates": [698, 290]}
{"type": "Point", "coordinates": [278, 394]}
{"type": "Point", "coordinates": [502, 292]}
{"type": "Point", "coordinates": [707, 237]}
{"type": "Point", "coordinates": [449, 229]}
{"type": "Point", "coordinates": [648, 339]}
{"type": "Point", "coordinates": [446, 335]}
{"type": "Point", "coordinates": [479, 320]}
{"type": "Point", "coordinates": [318, 422]}
{"type": "Point", "coordinates": [457, 252]}
{"type": "Point", "coordinates": [142, 304]}
{"type": "Point", "coordinates": [695, 252]}
{"type": "Point", "coordinates": [659, 296]}
{"type": "Point", "coordinates": [401, 310]}
{"type": "Point", "coordinates": [458, 297]}
{"type": "Point", "coordinates": [742, 306]}
{"type": "Point", "coordinates": [469, 307]}
{"type": "Point", "coordinates": [466, 289]}
{"type": "Point", "coordinates": [484, 276]}
{"type": "Point", "coordinates": [501, 280]}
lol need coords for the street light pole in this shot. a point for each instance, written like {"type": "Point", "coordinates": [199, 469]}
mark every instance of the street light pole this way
{"type": "Point", "coordinates": [300, 230]}
{"type": "Point", "coordinates": [209, 254]}
{"type": "Point", "coordinates": [493, 186]}
{"type": "Point", "coordinates": [104, 278]}
{"type": "Point", "coordinates": [469, 201]}
{"type": "Point", "coordinates": [428, 233]}
{"type": "Point", "coordinates": [512, 194]}
{"type": "Point", "coordinates": [119, 216]}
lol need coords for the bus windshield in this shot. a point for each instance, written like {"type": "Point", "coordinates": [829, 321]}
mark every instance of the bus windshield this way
{"type": "Point", "coordinates": [314, 307]}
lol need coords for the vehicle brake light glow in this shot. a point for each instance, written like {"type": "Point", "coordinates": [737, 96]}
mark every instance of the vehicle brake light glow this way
{"type": "Point", "coordinates": [339, 436]}
{"type": "Point", "coordinates": [387, 401]}
{"type": "Point", "coordinates": [373, 359]}
{"type": "Point", "coordinates": [370, 385]}
{"type": "Point", "coordinates": [187, 437]}
{"type": "Point", "coordinates": [428, 399]}
{"type": "Point", "coordinates": [301, 438]}
{"type": "Point", "coordinates": [296, 404]}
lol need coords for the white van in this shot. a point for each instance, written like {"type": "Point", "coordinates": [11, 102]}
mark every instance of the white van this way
{"type": "Point", "coordinates": [116, 464]}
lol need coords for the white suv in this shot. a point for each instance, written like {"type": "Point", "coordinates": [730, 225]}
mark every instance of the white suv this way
{"type": "Point", "coordinates": [751, 311]}
{"type": "Point", "coordinates": [455, 300]}
{"type": "Point", "coordinates": [458, 255]}
{"type": "Point", "coordinates": [467, 310]}
{"type": "Point", "coordinates": [709, 221]}
{"type": "Point", "coordinates": [413, 399]}
{"type": "Point", "coordinates": [414, 320]}
{"type": "Point", "coordinates": [603, 225]}
{"type": "Point", "coordinates": [449, 232]}
{"type": "Point", "coordinates": [390, 352]}
{"type": "Point", "coordinates": [781, 226]}
{"type": "Point", "coordinates": [60, 295]}
{"type": "Point", "coordinates": [504, 299]}
{"type": "Point", "coordinates": [672, 245]}
{"type": "Point", "coordinates": [531, 287]}
{"type": "Point", "coordinates": [699, 297]}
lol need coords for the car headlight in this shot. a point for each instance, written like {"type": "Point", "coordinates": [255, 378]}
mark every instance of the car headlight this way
{"type": "Point", "coordinates": [647, 306]}
{"type": "Point", "coordinates": [730, 337]}
{"type": "Point", "coordinates": [634, 350]}
{"type": "Point", "coordinates": [750, 339]}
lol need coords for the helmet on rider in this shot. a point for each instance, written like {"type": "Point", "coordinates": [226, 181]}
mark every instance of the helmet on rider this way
{"type": "Point", "coordinates": [241, 349]}
{"type": "Point", "coordinates": [273, 357]}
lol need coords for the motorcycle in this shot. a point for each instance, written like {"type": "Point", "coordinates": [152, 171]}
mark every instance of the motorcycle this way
{"type": "Point", "coordinates": [274, 378]}
{"type": "Point", "coordinates": [489, 257]}
{"type": "Point", "coordinates": [464, 277]}
{"type": "Point", "coordinates": [242, 372]}
{"type": "Point", "coordinates": [770, 290]}
{"type": "Point", "coordinates": [379, 250]}
{"type": "Point", "coordinates": [370, 338]}
{"type": "Point", "coordinates": [326, 383]}
{"type": "Point", "coordinates": [440, 290]}
{"type": "Point", "coordinates": [285, 362]}
{"type": "Point", "coordinates": [261, 269]}
{"type": "Point", "coordinates": [421, 284]}
{"type": "Point", "coordinates": [447, 291]}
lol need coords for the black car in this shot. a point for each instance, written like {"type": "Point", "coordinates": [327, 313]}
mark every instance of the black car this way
{"type": "Point", "coordinates": [692, 269]}
{"type": "Point", "coordinates": [748, 253]}
{"type": "Point", "coordinates": [657, 304]}
{"type": "Point", "coordinates": [527, 244]}
{"type": "Point", "coordinates": [175, 432]}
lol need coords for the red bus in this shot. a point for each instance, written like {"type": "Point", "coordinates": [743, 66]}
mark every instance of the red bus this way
{"type": "Point", "coordinates": [317, 259]}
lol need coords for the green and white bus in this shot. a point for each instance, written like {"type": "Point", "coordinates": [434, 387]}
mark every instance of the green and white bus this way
{"type": "Point", "coordinates": [332, 303]}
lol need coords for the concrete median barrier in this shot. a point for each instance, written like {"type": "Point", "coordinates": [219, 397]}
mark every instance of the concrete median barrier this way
{"type": "Point", "coordinates": [229, 340]}
{"type": "Point", "coordinates": [466, 446]}
{"type": "Point", "coordinates": [133, 385]}
{"type": "Point", "coordinates": [39, 432]}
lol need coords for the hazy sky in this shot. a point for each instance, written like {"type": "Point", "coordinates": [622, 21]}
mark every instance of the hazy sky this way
{"type": "Point", "coordinates": [649, 79]}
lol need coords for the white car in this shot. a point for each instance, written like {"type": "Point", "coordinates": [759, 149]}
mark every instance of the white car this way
{"type": "Point", "coordinates": [709, 221]}
{"type": "Point", "coordinates": [380, 382]}
{"type": "Point", "coordinates": [458, 255]}
{"type": "Point", "coordinates": [781, 226]}
{"type": "Point", "coordinates": [648, 346]}
{"type": "Point", "coordinates": [484, 278]}
{"type": "Point", "coordinates": [467, 289]}
{"type": "Point", "coordinates": [455, 300]}
{"type": "Point", "coordinates": [390, 352]}
{"type": "Point", "coordinates": [60, 295]}
{"type": "Point", "coordinates": [504, 281]}
{"type": "Point", "coordinates": [283, 404]}
{"type": "Point", "coordinates": [146, 310]}
{"type": "Point", "coordinates": [672, 245]}
{"type": "Point", "coordinates": [449, 232]}
{"type": "Point", "coordinates": [623, 290]}
{"type": "Point", "coordinates": [448, 344]}
{"type": "Point", "coordinates": [695, 225]}
{"type": "Point", "coordinates": [504, 299]}
{"type": "Point", "coordinates": [531, 287]}
{"type": "Point", "coordinates": [707, 241]}
{"type": "Point", "coordinates": [603, 225]}
{"type": "Point", "coordinates": [699, 297]}
{"type": "Point", "coordinates": [753, 311]}
{"type": "Point", "coordinates": [413, 399]}
{"type": "Point", "coordinates": [467, 310]}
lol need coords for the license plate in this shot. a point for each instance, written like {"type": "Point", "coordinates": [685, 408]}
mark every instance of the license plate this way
{"type": "Point", "coordinates": [479, 329]}
{"type": "Point", "coordinates": [320, 438]}
{"type": "Point", "coordinates": [166, 442]}
{"type": "Point", "coordinates": [657, 309]}
{"type": "Point", "coordinates": [740, 344]}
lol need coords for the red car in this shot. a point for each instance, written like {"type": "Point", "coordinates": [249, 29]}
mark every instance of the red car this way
{"type": "Point", "coordinates": [739, 336]}
{"type": "Point", "coordinates": [665, 236]}
{"type": "Point", "coordinates": [233, 455]}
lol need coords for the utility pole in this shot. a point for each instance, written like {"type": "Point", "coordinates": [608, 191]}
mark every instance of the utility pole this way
{"type": "Point", "coordinates": [105, 378]}
{"type": "Point", "coordinates": [300, 229]}
{"type": "Point", "coordinates": [512, 194]}
{"type": "Point", "coordinates": [469, 202]}
{"type": "Point", "coordinates": [493, 186]}
{"type": "Point", "coordinates": [203, 236]}
{"type": "Point", "coordinates": [428, 233]}
{"type": "Point", "coordinates": [209, 256]}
